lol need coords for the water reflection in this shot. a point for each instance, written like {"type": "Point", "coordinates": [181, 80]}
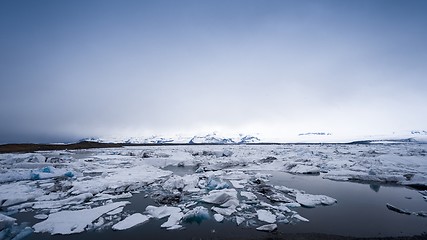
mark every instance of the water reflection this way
{"type": "Point", "coordinates": [375, 187]}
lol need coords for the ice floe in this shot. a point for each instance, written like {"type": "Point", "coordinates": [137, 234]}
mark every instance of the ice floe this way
{"type": "Point", "coordinates": [229, 182]}
{"type": "Point", "coordinates": [68, 222]}
{"type": "Point", "coordinates": [131, 221]}
{"type": "Point", "coordinates": [267, 227]}
{"type": "Point", "coordinates": [309, 200]}
{"type": "Point", "coordinates": [266, 216]}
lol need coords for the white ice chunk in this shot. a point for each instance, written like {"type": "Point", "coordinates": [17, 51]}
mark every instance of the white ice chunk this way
{"type": "Point", "coordinates": [59, 203]}
{"type": "Point", "coordinates": [304, 169]}
{"type": "Point", "coordinates": [68, 222]}
{"type": "Point", "coordinates": [197, 214]}
{"type": "Point", "coordinates": [116, 211]}
{"type": "Point", "coordinates": [220, 196]}
{"type": "Point", "coordinates": [6, 221]}
{"type": "Point", "coordinates": [224, 211]}
{"type": "Point", "coordinates": [131, 221]}
{"type": "Point", "coordinates": [267, 228]}
{"type": "Point", "coordinates": [41, 216]}
{"type": "Point", "coordinates": [173, 220]}
{"type": "Point", "coordinates": [299, 217]}
{"type": "Point", "coordinates": [218, 217]}
{"type": "Point", "coordinates": [266, 216]}
{"type": "Point", "coordinates": [239, 220]}
{"type": "Point", "coordinates": [161, 212]}
{"type": "Point", "coordinates": [248, 195]}
{"type": "Point", "coordinates": [309, 200]}
{"type": "Point", "coordinates": [18, 192]}
{"type": "Point", "coordinates": [238, 183]}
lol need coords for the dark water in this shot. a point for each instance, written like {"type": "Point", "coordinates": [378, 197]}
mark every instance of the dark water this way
{"type": "Point", "coordinates": [361, 209]}
{"type": "Point", "coordinates": [360, 212]}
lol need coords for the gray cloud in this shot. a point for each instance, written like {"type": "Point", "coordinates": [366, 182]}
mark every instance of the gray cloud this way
{"type": "Point", "coordinates": [71, 70]}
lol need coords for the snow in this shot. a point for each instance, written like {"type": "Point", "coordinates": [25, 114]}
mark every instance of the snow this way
{"type": "Point", "coordinates": [131, 221]}
{"type": "Point", "coordinates": [266, 216]}
{"type": "Point", "coordinates": [68, 222]}
{"type": "Point", "coordinates": [309, 200]}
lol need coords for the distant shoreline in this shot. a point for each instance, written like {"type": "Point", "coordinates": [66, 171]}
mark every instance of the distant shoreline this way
{"type": "Point", "coordinates": [32, 147]}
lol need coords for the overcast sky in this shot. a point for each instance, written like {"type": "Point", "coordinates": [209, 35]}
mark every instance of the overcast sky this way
{"type": "Point", "coordinates": [74, 69]}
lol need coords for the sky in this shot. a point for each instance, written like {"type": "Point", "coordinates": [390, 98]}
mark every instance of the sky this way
{"type": "Point", "coordinates": [76, 69]}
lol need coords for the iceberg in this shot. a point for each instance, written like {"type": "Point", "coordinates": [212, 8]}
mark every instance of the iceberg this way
{"type": "Point", "coordinates": [131, 221]}
{"type": "Point", "coordinates": [197, 214]}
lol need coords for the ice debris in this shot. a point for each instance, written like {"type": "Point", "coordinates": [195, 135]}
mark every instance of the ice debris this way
{"type": "Point", "coordinates": [68, 222]}
{"type": "Point", "coordinates": [218, 217]}
{"type": "Point", "coordinates": [266, 216]}
{"type": "Point", "coordinates": [173, 221]}
{"type": "Point", "coordinates": [197, 214]}
{"type": "Point", "coordinates": [309, 200]}
{"type": "Point", "coordinates": [267, 227]}
{"type": "Point", "coordinates": [161, 212]}
{"type": "Point", "coordinates": [131, 221]}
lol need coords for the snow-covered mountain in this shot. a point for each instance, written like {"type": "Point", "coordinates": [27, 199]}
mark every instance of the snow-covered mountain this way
{"type": "Point", "coordinates": [212, 138]}
{"type": "Point", "coordinates": [309, 137]}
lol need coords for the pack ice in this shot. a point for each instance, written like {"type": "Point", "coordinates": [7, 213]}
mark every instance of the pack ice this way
{"type": "Point", "coordinates": [80, 190]}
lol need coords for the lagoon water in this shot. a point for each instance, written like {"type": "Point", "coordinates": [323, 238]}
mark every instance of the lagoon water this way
{"type": "Point", "coordinates": [360, 212]}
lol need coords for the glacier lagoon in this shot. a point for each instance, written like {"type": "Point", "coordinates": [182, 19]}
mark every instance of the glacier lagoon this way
{"type": "Point", "coordinates": [185, 176]}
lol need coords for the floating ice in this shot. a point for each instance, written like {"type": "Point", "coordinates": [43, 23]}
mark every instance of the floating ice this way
{"type": "Point", "coordinates": [266, 216]}
{"type": "Point", "coordinates": [396, 209]}
{"type": "Point", "coordinates": [239, 220]}
{"type": "Point", "coordinates": [41, 216]}
{"type": "Point", "coordinates": [303, 169]}
{"type": "Point", "coordinates": [74, 200]}
{"type": "Point", "coordinates": [309, 200]}
{"type": "Point", "coordinates": [18, 192]}
{"type": "Point", "coordinates": [218, 217]}
{"type": "Point", "coordinates": [197, 214]}
{"type": "Point", "coordinates": [215, 184]}
{"type": "Point", "coordinates": [68, 222]}
{"type": "Point", "coordinates": [248, 195]}
{"type": "Point", "coordinates": [220, 196]}
{"type": "Point", "coordinates": [116, 211]}
{"type": "Point", "coordinates": [238, 183]}
{"type": "Point", "coordinates": [224, 211]}
{"type": "Point", "coordinates": [173, 220]}
{"type": "Point", "coordinates": [6, 221]}
{"type": "Point", "coordinates": [299, 217]}
{"type": "Point", "coordinates": [267, 228]}
{"type": "Point", "coordinates": [161, 212]}
{"type": "Point", "coordinates": [131, 221]}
